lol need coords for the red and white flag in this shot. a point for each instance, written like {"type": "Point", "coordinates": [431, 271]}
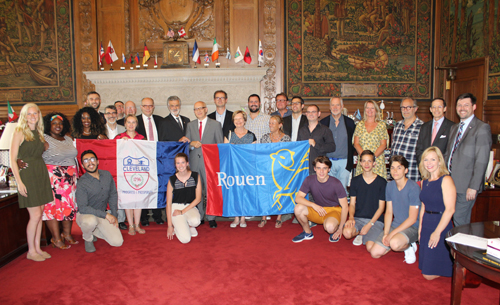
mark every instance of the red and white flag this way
{"type": "Point", "coordinates": [110, 54]}
{"type": "Point", "coordinates": [182, 32]}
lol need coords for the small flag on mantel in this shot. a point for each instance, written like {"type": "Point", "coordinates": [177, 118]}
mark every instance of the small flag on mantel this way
{"type": "Point", "coordinates": [215, 51]}
{"type": "Point", "coordinates": [228, 54]}
{"type": "Point", "coordinates": [182, 32]}
{"type": "Point", "coordinates": [248, 58]}
{"type": "Point", "coordinates": [196, 53]}
{"type": "Point", "coordinates": [12, 114]}
{"type": "Point", "coordinates": [237, 56]}
{"type": "Point", "coordinates": [146, 55]}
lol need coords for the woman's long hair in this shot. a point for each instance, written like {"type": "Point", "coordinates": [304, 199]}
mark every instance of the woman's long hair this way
{"type": "Point", "coordinates": [96, 123]}
{"type": "Point", "coordinates": [22, 124]}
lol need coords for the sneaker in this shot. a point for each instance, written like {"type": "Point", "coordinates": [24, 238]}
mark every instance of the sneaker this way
{"type": "Point", "coordinates": [410, 257]}
{"type": "Point", "coordinates": [358, 241]}
{"type": "Point", "coordinates": [333, 240]}
{"type": "Point", "coordinates": [302, 236]}
{"type": "Point", "coordinates": [193, 231]}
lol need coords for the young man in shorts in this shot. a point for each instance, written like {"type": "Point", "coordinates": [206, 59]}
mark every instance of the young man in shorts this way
{"type": "Point", "coordinates": [402, 196]}
{"type": "Point", "coordinates": [330, 206]}
{"type": "Point", "coordinates": [367, 204]}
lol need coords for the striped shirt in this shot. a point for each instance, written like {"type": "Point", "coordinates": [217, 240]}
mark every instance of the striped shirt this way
{"type": "Point", "coordinates": [404, 143]}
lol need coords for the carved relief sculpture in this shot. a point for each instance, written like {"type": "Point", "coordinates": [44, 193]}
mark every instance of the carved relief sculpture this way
{"type": "Point", "coordinates": [157, 17]}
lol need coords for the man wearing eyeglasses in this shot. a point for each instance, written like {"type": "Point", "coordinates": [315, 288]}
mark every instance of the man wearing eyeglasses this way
{"type": "Point", "coordinates": [435, 132]}
{"type": "Point", "coordinates": [405, 136]}
{"type": "Point", "coordinates": [319, 136]}
{"type": "Point", "coordinates": [281, 104]}
{"type": "Point", "coordinates": [147, 126]}
{"type": "Point", "coordinates": [113, 129]}
{"type": "Point", "coordinates": [95, 190]}
{"type": "Point", "coordinates": [221, 114]}
{"type": "Point", "coordinates": [203, 130]}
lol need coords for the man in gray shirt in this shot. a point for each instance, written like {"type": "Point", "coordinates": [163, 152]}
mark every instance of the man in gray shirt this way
{"type": "Point", "coordinates": [95, 190]}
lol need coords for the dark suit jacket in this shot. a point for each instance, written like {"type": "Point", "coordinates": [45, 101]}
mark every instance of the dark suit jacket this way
{"type": "Point", "coordinates": [425, 136]}
{"type": "Point", "coordinates": [349, 126]}
{"type": "Point", "coordinates": [471, 156]}
{"type": "Point", "coordinates": [169, 130]}
{"type": "Point", "coordinates": [228, 122]}
{"type": "Point", "coordinates": [287, 124]}
{"type": "Point", "coordinates": [141, 129]}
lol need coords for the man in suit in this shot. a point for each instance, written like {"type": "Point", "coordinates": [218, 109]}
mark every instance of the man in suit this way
{"type": "Point", "coordinates": [221, 114]}
{"type": "Point", "coordinates": [203, 130]}
{"type": "Point", "coordinates": [292, 123]}
{"type": "Point", "coordinates": [281, 105]}
{"type": "Point", "coordinates": [436, 132]}
{"type": "Point", "coordinates": [120, 109]}
{"type": "Point", "coordinates": [342, 129]}
{"type": "Point", "coordinates": [147, 126]}
{"type": "Point", "coordinates": [130, 108]}
{"type": "Point", "coordinates": [94, 101]}
{"type": "Point", "coordinates": [467, 156]}
{"type": "Point", "coordinates": [173, 127]}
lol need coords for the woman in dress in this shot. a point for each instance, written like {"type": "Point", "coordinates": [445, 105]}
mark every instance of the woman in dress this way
{"type": "Point", "coordinates": [88, 124]}
{"type": "Point", "coordinates": [183, 195]}
{"type": "Point", "coordinates": [371, 134]}
{"type": "Point", "coordinates": [240, 135]}
{"type": "Point", "coordinates": [438, 198]}
{"type": "Point", "coordinates": [33, 182]}
{"type": "Point", "coordinates": [133, 215]}
{"type": "Point", "coordinates": [59, 157]}
{"type": "Point", "coordinates": [276, 135]}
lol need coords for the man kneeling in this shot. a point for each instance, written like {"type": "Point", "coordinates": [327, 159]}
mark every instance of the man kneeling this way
{"type": "Point", "coordinates": [94, 191]}
{"type": "Point", "coordinates": [402, 195]}
{"type": "Point", "coordinates": [330, 206]}
{"type": "Point", "coordinates": [367, 204]}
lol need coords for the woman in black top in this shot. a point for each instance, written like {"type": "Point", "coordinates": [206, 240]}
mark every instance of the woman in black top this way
{"type": "Point", "coordinates": [183, 194]}
{"type": "Point", "coordinates": [88, 124]}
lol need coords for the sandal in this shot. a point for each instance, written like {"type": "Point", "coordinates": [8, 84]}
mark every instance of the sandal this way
{"type": "Point", "coordinates": [131, 230]}
{"type": "Point", "coordinates": [234, 224]}
{"type": "Point", "coordinates": [278, 224]}
{"type": "Point", "coordinates": [139, 230]}
{"type": "Point", "coordinates": [69, 239]}
{"type": "Point", "coordinates": [262, 223]}
{"type": "Point", "coordinates": [53, 243]}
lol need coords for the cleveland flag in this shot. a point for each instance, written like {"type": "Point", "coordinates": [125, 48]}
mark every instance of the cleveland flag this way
{"type": "Point", "coordinates": [254, 179]}
{"type": "Point", "coordinates": [141, 169]}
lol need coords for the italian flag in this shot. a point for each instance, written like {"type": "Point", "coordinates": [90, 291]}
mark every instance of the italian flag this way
{"type": "Point", "coordinates": [12, 114]}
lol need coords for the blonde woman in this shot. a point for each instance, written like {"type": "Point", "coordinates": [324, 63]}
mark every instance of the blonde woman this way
{"type": "Point", "coordinates": [438, 198]}
{"type": "Point", "coordinates": [371, 134]}
{"type": "Point", "coordinates": [33, 183]}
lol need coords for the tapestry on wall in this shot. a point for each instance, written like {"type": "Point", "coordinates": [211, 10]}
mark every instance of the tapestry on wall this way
{"type": "Point", "coordinates": [382, 48]}
{"type": "Point", "coordinates": [36, 51]}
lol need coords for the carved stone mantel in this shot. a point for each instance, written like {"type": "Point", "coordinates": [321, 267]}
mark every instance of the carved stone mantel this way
{"type": "Point", "coordinates": [190, 85]}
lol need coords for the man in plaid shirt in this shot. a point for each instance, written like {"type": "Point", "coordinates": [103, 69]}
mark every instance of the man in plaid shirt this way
{"type": "Point", "coordinates": [258, 122]}
{"type": "Point", "coordinates": [405, 136]}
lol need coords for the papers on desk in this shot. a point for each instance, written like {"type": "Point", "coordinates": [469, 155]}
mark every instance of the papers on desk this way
{"type": "Point", "coordinates": [469, 240]}
{"type": "Point", "coordinates": [7, 191]}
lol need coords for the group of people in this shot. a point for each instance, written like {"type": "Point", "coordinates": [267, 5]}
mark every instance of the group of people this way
{"type": "Point", "coordinates": [382, 215]}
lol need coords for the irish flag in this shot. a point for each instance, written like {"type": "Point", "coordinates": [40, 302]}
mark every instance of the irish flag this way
{"type": "Point", "coordinates": [141, 169]}
{"type": "Point", "coordinates": [254, 179]}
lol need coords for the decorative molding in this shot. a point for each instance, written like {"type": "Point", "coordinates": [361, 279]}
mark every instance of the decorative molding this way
{"type": "Point", "coordinates": [86, 45]}
{"type": "Point", "coordinates": [127, 25]}
{"type": "Point", "coordinates": [269, 47]}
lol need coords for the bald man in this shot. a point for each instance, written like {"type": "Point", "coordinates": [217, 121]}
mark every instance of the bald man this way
{"type": "Point", "coordinates": [211, 133]}
{"type": "Point", "coordinates": [130, 108]}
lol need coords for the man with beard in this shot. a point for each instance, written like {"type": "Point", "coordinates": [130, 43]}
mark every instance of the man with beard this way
{"type": "Point", "coordinates": [95, 190]}
{"type": "Point", "coordinates": [94, 101]}
{"type": "Point", "coordinates": [257, 122]}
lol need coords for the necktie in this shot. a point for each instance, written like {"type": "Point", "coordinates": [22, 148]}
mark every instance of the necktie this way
{"type": "Point", "coordinates": [434, 132]}
{"type": "Point", "coordinates": [201, 131]}
{"type": "Point", "coordinates": [457, 141]}
{"type": "Point", "coordinates": [179, 122]}
{"type": "Point", "coordinates": [151, 133]}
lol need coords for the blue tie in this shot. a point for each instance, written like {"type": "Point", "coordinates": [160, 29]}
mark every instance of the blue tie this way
{"type": "Point", "coordinates": [457, 141]}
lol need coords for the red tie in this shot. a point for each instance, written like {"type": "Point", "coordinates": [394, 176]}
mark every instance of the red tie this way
{"type": "Point", "coordinates": [201, 126]}
{"type": "Point", "coordinates": [151, 133]}
{"type": "Point", "coordinates": [434, 132]}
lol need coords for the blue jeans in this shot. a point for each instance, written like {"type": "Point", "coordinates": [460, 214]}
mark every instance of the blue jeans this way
{"type": "Point", "coordinates": [338, 171]}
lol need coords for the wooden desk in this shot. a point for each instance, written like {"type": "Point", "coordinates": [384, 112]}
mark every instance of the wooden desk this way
{"type": "Point", "coordinates": [467, 271]}
{"type": "Point", "coordinates": [487, 206]}
{"type": "Point", "coordinates": [13, 224]}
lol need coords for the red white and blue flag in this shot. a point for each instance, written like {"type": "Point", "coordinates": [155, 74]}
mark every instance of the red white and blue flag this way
{"type": "Point", "coordinates": [254, 179]}
{"type": "Point", "coordinates": [141, 169]}
{"type": "Point", "coordinates": [196, 53]}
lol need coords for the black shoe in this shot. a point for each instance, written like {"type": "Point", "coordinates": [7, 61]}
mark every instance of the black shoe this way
{"type": "Point", "coordinates": [145, 223]}
{"type": "Point", "coordinates": [212, 223]}
{"type": "Point", "coordinates": [122, 226]}
{"type": "Point", "coordinates": [202, 222]}
{"type": "Point", "coordinates": [159, 221]}
{"type": "Point", "coordinates": [89, 246]}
